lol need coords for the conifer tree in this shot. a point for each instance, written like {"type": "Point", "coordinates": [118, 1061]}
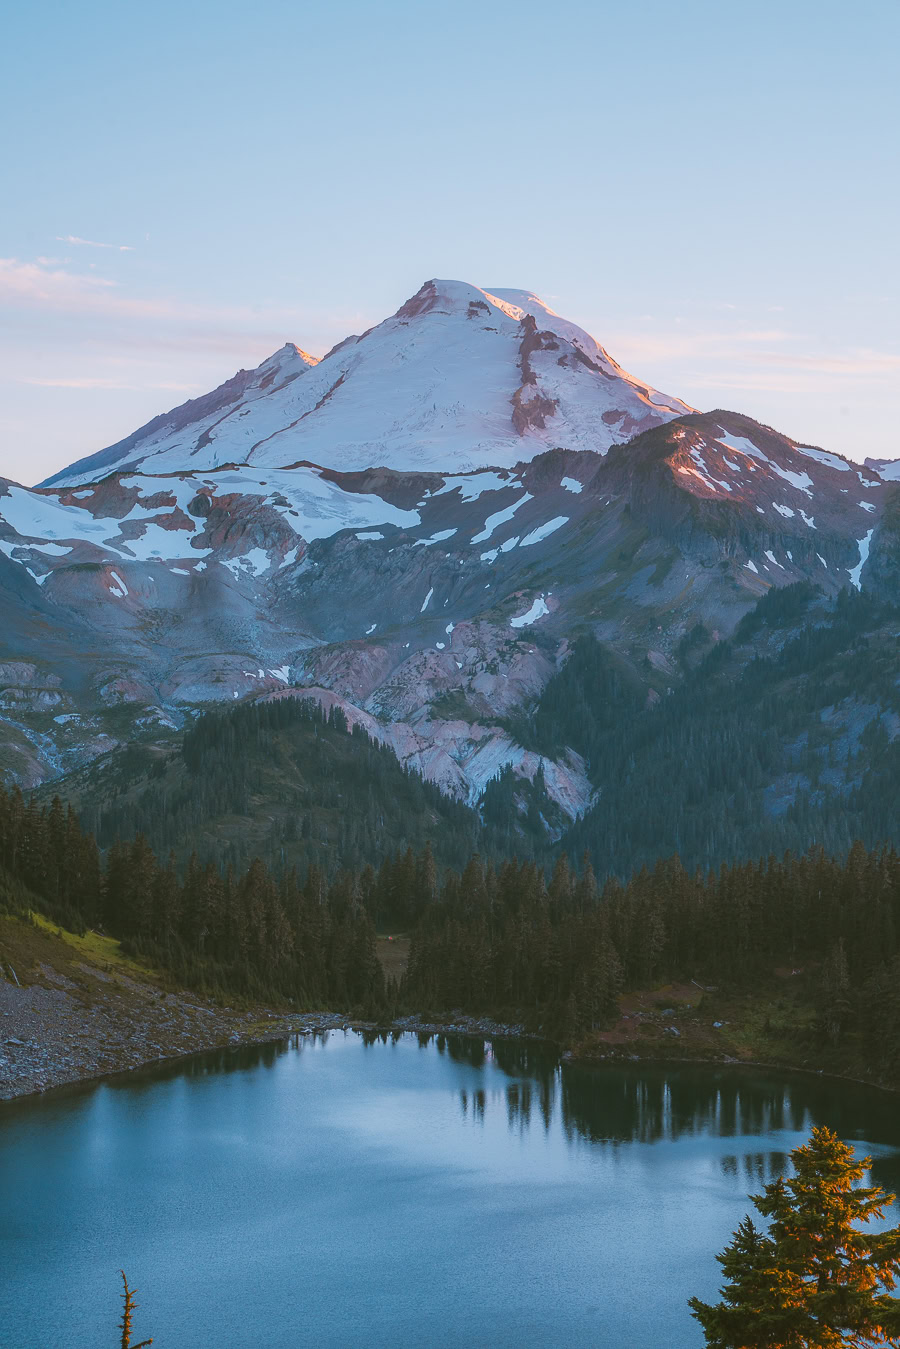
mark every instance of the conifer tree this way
{"type": "Point", "coordinates": [762, 1304]}
{"type": "Point", "coordinates": [816, 1280]}
{"type": "Point", "coordinates": [127, 1313]}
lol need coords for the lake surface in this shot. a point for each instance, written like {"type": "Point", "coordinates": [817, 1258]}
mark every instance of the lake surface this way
{"type": "Point", "coordinates": [408, 1191]}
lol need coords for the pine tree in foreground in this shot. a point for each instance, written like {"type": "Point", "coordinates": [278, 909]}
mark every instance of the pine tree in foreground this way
{"type": "Point", "coordinates": [815, 1280]}
{"type": "Point", "coordinates": [127, 1312]}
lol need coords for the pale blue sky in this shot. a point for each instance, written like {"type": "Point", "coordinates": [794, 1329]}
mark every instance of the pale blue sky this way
{"type": "Point", "coordinates": [710, 188]}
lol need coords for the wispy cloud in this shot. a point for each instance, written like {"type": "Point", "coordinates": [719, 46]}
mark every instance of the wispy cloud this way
{"type": "Point", "coordinates": [92, 243]}
{"type": "Point", "coordinates": [99, 382]}
{"type": "Point", "coordinates": [46, 283]}
{"type": "Point", "coordinates": [109, 312]}
{"type": "Point", "coordinates": [767, 358]}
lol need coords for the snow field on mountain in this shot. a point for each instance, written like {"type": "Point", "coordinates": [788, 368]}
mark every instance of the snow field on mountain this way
{"type": "Point", "coordinates": [431, 388]}
{"type": "Point", "coordinates": [313, 506]}
{"type": "Point", "coordinates": [537, 610]}
{"type": "Point", "coordinates": [855, 573]}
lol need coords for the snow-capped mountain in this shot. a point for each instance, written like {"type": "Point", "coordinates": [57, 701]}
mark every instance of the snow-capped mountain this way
{"type": "Point", "coordinates": [458, 378]}
{"type": "Point", "coordinates": [414, 528]}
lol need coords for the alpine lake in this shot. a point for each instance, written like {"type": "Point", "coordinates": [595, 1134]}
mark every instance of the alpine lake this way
{"type": "Point", "coordinates": [341, 1190]}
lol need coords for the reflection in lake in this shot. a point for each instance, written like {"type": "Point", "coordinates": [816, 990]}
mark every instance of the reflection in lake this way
{"type": "Point", "coordinates": [343, 1189]}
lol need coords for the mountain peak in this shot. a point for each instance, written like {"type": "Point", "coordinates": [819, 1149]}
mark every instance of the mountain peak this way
{"type": "Point", "coordinates": [458, 378]}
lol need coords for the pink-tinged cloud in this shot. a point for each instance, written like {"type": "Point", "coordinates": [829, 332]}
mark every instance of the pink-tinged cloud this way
{"type": "Point", "coordinates": [92, 243]}
{"type": "Point", "coordinates": [30, 286]}
{"type": "Point", "coordinates": [760, 359]}
{"type": "Point", "coordinates": [98, 382]}
{"type": "Point", "coordinates": [30, 283]}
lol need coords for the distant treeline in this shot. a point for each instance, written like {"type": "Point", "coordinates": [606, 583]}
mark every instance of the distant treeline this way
{"type": "Point", "coordinates": [560, 951]}
{"type": "Point", "coordinates": [492, 939]}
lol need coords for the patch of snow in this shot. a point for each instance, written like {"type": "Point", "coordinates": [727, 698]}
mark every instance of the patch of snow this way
{"type": "Point", "coordinates": [435, 538]}
{"type": "Point", "coordinates": [543, 531]}
{"type": "Point", "coordinates": [808, 519]}
{"type": "Point", "coordinates": [51, 549]}
{"type": "Point", "coordinates": [370, 534]}
{"type": "Point", "coordinates": [156, 544]}
{"type": "Point", "coordinates": [471, 485]}
{"type": "Point", "coordinates": [822, 560]}
{"type": "Point", "coordinates": [867, 482]}
{"type": "Point", "coordinates": [855, 573]}
{"type": "Point", "coordinates": [426, 599]}
{"type": "Point", "coordinates": [751, 566]}
{"type": "Point", "coordinates": [773, 559]}
{"type": "Point", "coordinates": [65, 717]}
{"type": "Point", "coordinates": [45, 517]}
{"type": "Point", "coordinates": [500, 518]}
{"type": "Point", "coordinates": [572, 485]}
{"type": "Point", "coordinates": [802, 481]}
{"type": "Point", "coordinates": [705, 474]}
{"type": "Point", "coordinates": [440, 645]}
{"type": "Point", "coordinates": [283, 673]}
{"type": "Point", "coordinates": [119, 582]}
{"type": "Point", "coordinates": [824, 457]}
{"type": "Point", "coordinates": [490, 556]}
{"type": "Point", "coordinates": [783, 510]}
{"type": "Point", "coordinates": [180, 571]}
{"type": "Point", "coordinates": [314, 506]}
{"type": "Point", "coordinates": [253, 563]}
{"type": "Point", "coordinates": [449, 628]}
{"type": "Point", "coordinates": [370, 630]}
{"type": "Point", "coordinates": [741, 445]}
{"type": "Point", "coordinates": [867, 505]}
{"type": "Point", "coordinates": [537, 610]}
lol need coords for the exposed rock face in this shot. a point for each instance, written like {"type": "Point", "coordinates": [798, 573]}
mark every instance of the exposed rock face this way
{"type": "Point", "coordinates": [431, 604]}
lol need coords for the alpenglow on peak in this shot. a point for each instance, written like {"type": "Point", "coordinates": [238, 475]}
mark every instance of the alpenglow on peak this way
{"type": "Point", "coordinates": [458, 378]}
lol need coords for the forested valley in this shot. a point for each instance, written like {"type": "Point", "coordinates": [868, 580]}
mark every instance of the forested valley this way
{"type": "Point", "coordinates": [502, 939]}
{"type": "Point", "coordinates": [741, 834]}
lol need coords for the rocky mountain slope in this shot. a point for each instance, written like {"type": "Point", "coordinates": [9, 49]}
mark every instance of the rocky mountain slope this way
{"type": "Point", "coordinates": [415, 529]}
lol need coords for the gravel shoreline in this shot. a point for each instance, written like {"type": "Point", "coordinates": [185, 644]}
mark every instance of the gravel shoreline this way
{"type": "Point", "coordinates": [51, 1036]}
